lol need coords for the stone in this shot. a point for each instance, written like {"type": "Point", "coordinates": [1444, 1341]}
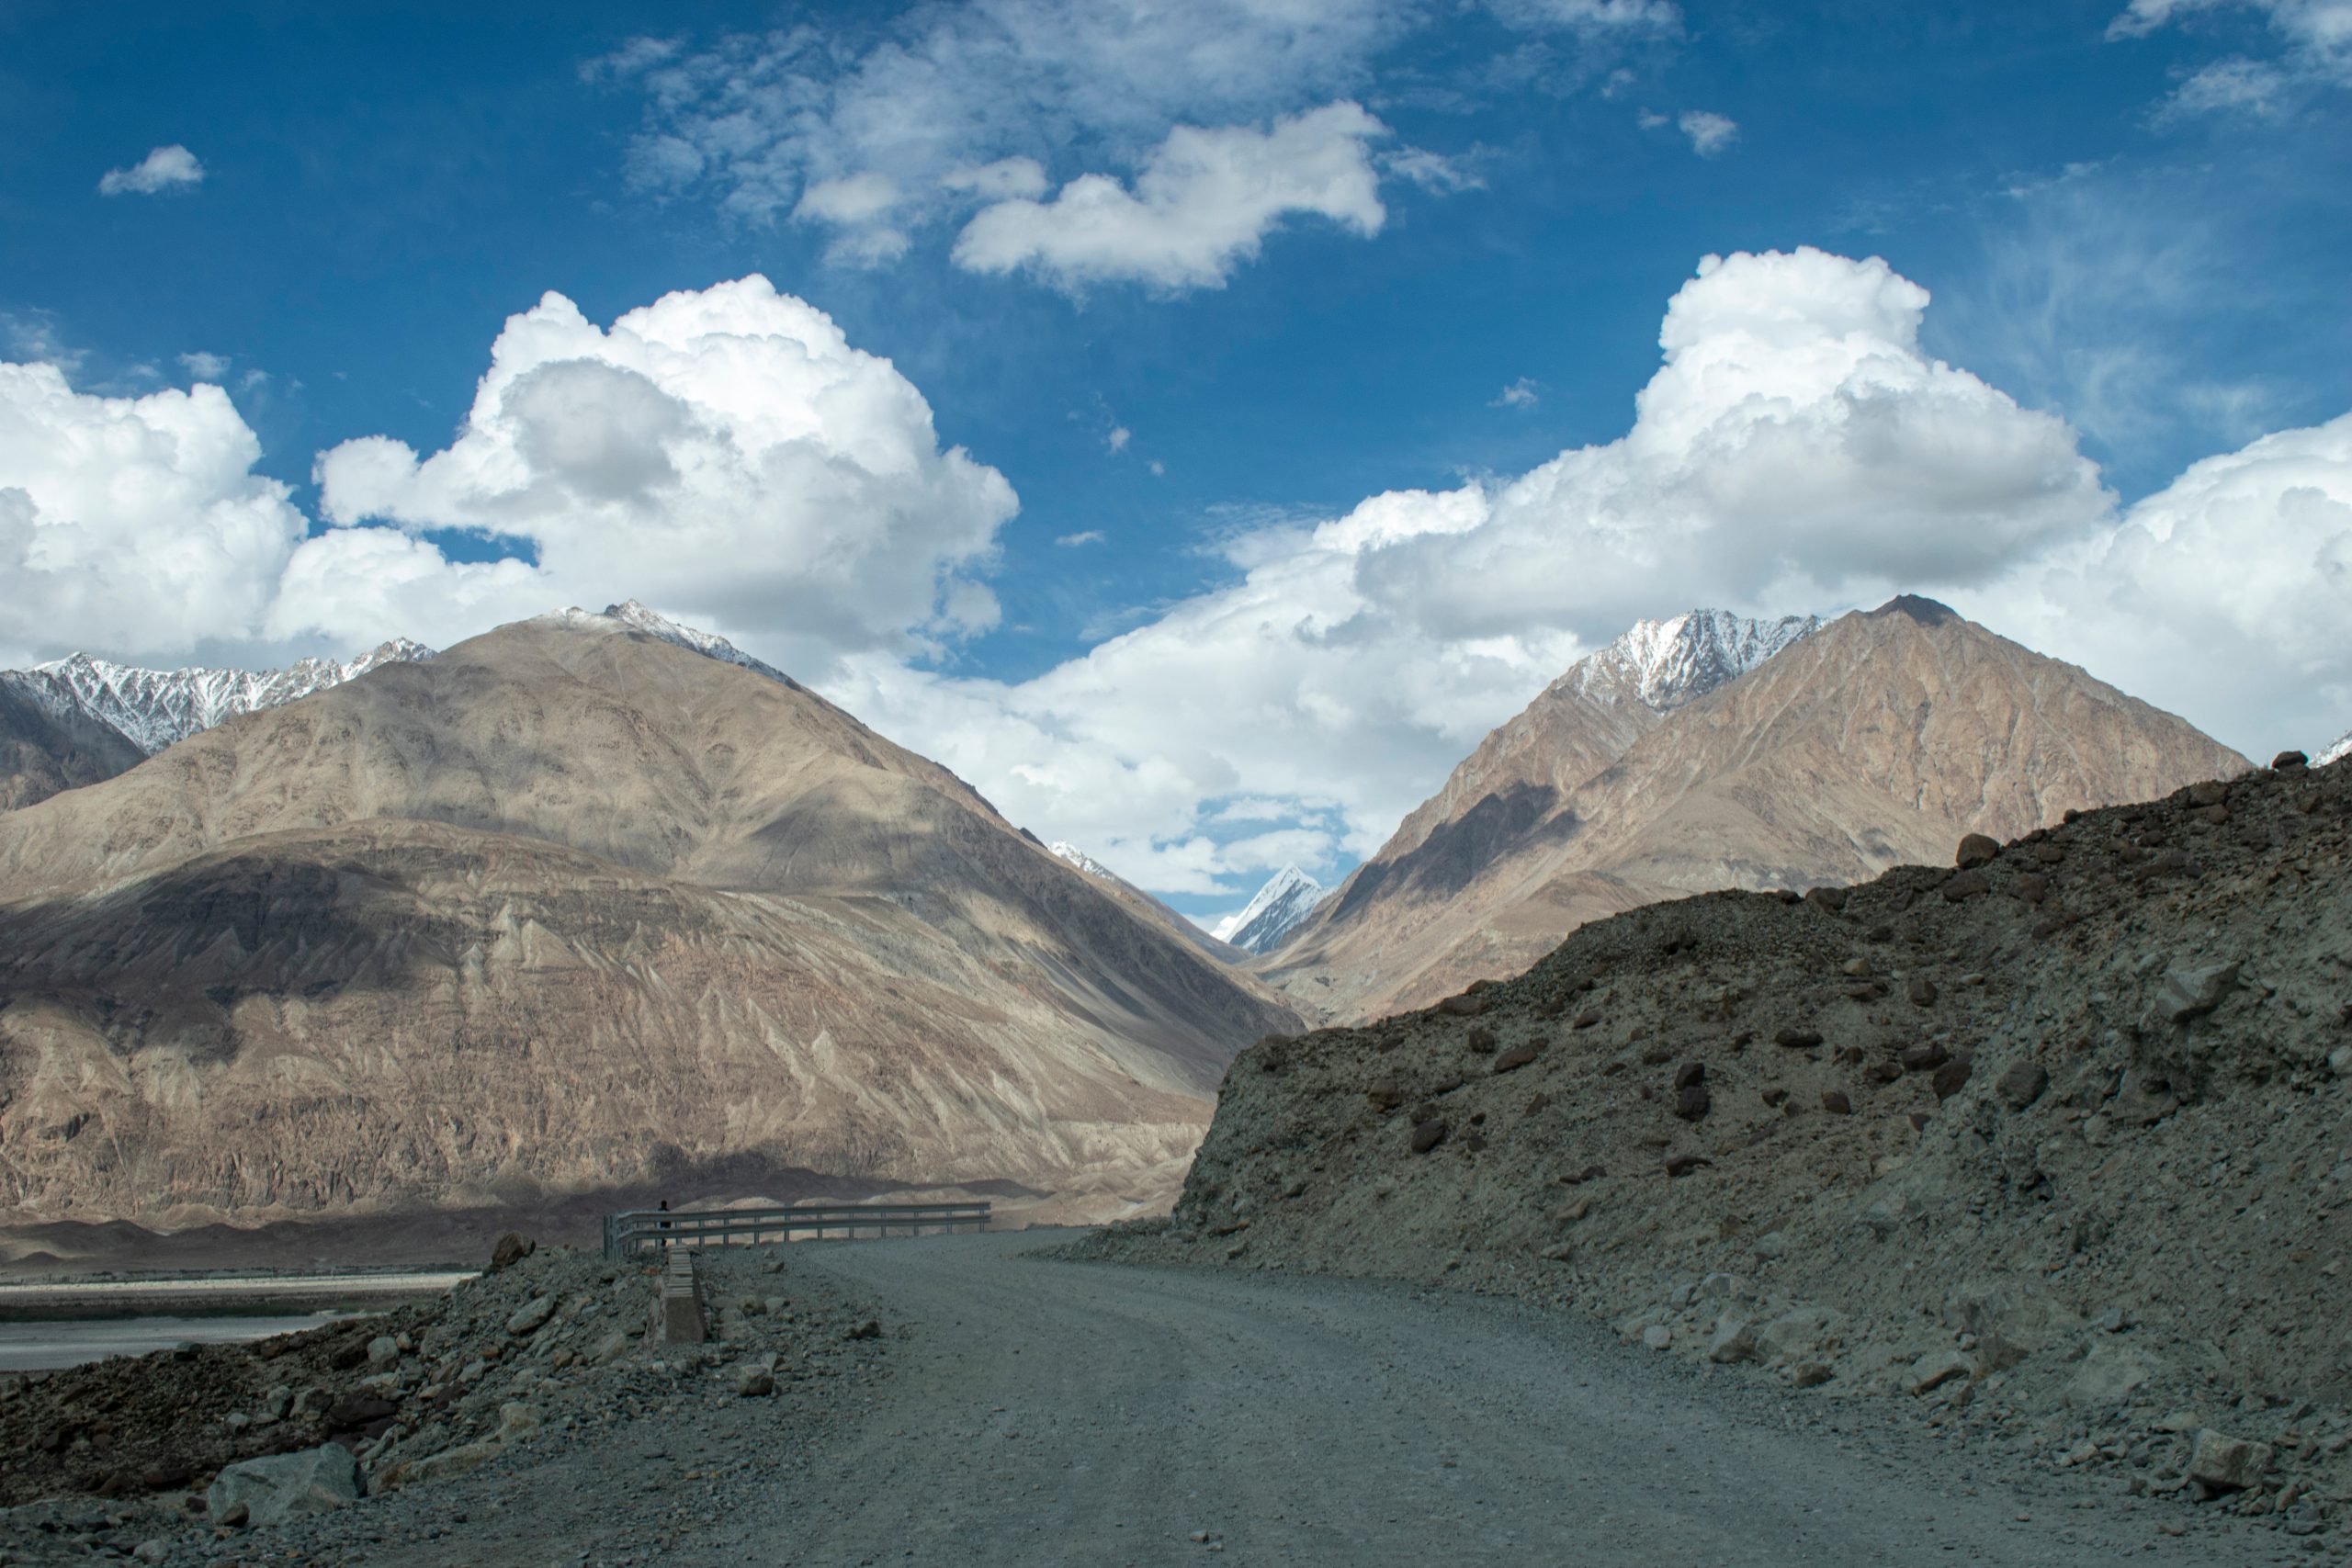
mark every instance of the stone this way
{"type": "Point", "coordinates": [1812, 1375]}
{"type": "Point", "coordinates": [154, 1550]}
{"type": "Point", "coordinates": [1385, 1094]}
{"type": "Point", "coordinates": [1480, 1039]}
{"type": "Point", "coordinates": [1427, 1135]}
{"type": "Point", "coordinates": [2208, 792]}
{"type": "Point", "coordinates": [610, 1349]}
{"type": "Point", "coordinates": [2290, 761]}
{"type": "Point", "coordinates": [754, 1381]}
{"type": "Point", "coordinates": [1798, 1039]}
{"type": "Point", "coordinates": [511, 1249]}
{"type": "Point", "coordinates": [1830, 898]}
{"type": "Point", "coordinates": [383, 1352]}
{"type": "Point", "coordinates": [870, 1329]}
{"type": "Point", "coordinates": [1468, 1005]}
{"type": "Point", "coordinates": [1657, 1337]}
{"type": "Point", "coordinates": [2109, 1374]}
{"type": "Point", "coordinates": [1733, 1341]}
{"type": "Point", "coordinates": [2033, 888]}
{"type": "Point", "coordinates": [530, 1316]}
{"type": "Point", "coordinates": [1921, 991]}
{"type": "Point", "coordinates": [1965, 885]}
{"type": "Point", "coordinates": [1771, 1244]}
{"type": "Point", "coordinates": [446, 1466]}
{"type": "Point", "coordinates": [1835, 1103]}
{"type": "Point", "coordinates": [1690, 1073]}
{"type": "Point", "coordinates": [1975, 850]}
{"type": "Point", "coordinates": [2191, 993]}
{"type": "Point", "coordinates": [1517, 1057]}
{"type": "Point", "coordinates": [1935, 1369]}
{"type": "Point", "coordinates": [1683, 1164]}
{"type": "Point", "coordinates": [357, 1411]}
{"type": "Point", "coordinates": [1801, 1334]}
{"type": "Point", "coordinates": [1952, 1077]}
{"type": "Point", "coordinates": [286, 1486]}
{"type": "Point", "coordinates": [2226, 1463]}
{"type": "Point", "coordinates": [1923, 1058]}
{"type": "Point", "coordinates": [2022, 1085]}
{"type": "Point", "coordinates": [2143, 1100]}
{"type": "Point", "coordinates": [1691, 1104]}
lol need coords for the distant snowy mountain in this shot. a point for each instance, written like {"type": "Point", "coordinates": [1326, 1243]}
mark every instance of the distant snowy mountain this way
{"type": "Point", "coordinates": [153, 709]}
{"type": "Point", "coordinates": [2341, 749]}
{"type": "Point", "coordinates": [637, 617]}
{"type": "Point", "coordinates": [1084, 861]}
{"type": "Point", "coordinates": [1664, 664]}
{"type": "Point", "coordinates": [1288, 898]}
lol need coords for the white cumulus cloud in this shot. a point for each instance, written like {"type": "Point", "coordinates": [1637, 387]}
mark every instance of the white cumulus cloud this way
{"type": "Point", "coordinates": [133, 527]}
{"type": "Point", "coordinates": [166, 168]}
{"type": "Point", "coordinates": [723, 454]}
{"type": "Point", "coordinates": [1204, 200]}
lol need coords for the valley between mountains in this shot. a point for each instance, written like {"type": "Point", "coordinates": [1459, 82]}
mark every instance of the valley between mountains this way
{"type": "Point", "coordinates": [1927, 1047]}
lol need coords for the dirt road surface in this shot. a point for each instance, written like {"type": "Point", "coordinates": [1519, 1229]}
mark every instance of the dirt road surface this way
{"type": "Point", "coordinates": [1041, 1412]}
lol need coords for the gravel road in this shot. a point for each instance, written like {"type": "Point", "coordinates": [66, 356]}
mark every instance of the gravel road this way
{"type": "Point", "coordinates": [1035, 1411]}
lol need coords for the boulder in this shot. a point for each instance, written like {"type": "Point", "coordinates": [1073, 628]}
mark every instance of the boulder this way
{"type": "Point", "coordinates": [1975, 850]}
{"type": "Point", "coordinates": [286, 1486]}
{"type": "Point", "coordinates": [2288, 762]}
{"type": "Point", "coordinates": [2225, 1463]}
{"type": "Point", "coordinates": [531, 1315]}
{"type": "Point", "coordinates": [383, 1352]}
{"type": "Point", "coordinates": [2108, 1376]}
{"type": "Point", "coordinates": [1733, 1341]}
{"type": "Point", "coordinates": [2022, 1085]}
{"type": "Point", "coordinates": [2191, 992]}
{"type": "Point", "coordinates": [511, 1249]}
{"type": "Point", "coordinates": [1964, 884]}
{"type": "Point", "coordinates": [1936, 1367]}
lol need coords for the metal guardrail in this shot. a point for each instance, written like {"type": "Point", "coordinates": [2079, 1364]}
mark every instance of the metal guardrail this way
{"type": "Point", "coordinates": [642, 1230]}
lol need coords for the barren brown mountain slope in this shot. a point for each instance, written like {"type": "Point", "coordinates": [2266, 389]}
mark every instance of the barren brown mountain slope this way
{"type": "Point", "coordinates": [2060, 1142]}
{"type": "Point", "coordinates": [570, 908]}
{"type": "Point", "coordinates": [43, 753]}
{"type": "Point", "coordinates": [1878, 739]}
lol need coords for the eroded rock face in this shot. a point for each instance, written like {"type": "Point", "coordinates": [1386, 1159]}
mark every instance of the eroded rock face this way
{"type": "Point", "coordinates": [1881, 739]}
{"type": "Point", "coordinates": [565, 908]}
{"type": "Point", "coordinates": [2055, 1205]}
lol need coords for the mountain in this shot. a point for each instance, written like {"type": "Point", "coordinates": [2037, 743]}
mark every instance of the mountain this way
{"type": "Point", "coordinates": [2336, 751]}
{"type": "Point", "coordinates": [1877, 739]}
{"type": "Point", "coordinates": [43, 750]}
{"type": "Point", "coordinates": [576, 911]}
{"type": "Point", "coordinates": [1288, 898]}
{"type": "Point", "coordinates": [153, 708]}
{"type": "Point", "coordinates": [1144, 904]}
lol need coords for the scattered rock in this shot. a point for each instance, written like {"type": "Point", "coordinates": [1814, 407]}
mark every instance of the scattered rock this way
{"type": "Point", "coordinates": [1975, 850]}
{"type": "Point", "coordinates": [1936, 1367]}
{"type": "Point", "coordinates": [2228, 1464]}
{"type": "Point", "coordinates": [1515, 1058]}
{"type": "Point", "coordinates": [1733, 1341]}
{"type": "Point", "coordinates": [530, 1316]}
{"type": "Point", "coordinates": [1952, 1077]}
{"type": "Point", "coordinates": [1427, 1135]}
{"type": "Point", "coordinates": [510, 1249]}
{"type": "Point", "coordinates": [2191, 993]}
{"type": "Point", "coordinates": [1965, 885]}
{"type": "Point", "coordinates": [1798, 1039]}
{"type": "Point", "coordinates": [1923, 1058]}
{"type": "Point", "coordinates": [1921, 991]}
{"type": "Point", "coordinates": [1385, 1094]}
{"type": "Point", "coordinates": [1835, 1103]}
{"type": "Point", "coordinates": [2022, 1085]}
{"type": "Point", "coordinates": [286, 1486]}
{"type": "Point", "coordinates": [1657, 1337]}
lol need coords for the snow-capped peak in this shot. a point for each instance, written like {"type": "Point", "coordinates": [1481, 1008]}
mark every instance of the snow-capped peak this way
{"type": "Point", "coordinates": [1664, 664]}
{"type": "Point", "coordinates": [2336, 752]}
{"type": "Point", "coordinates": [153, 708]}
{"type": "Point", "coordinates": [636, 617]}
{"type": "Point", "coordinates": [1288, 898]}
{"type": "Point", "coordinates": [1084, 861]}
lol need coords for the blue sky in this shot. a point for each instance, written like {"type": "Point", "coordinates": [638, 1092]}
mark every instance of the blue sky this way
{"type": "Point", "coordinates": [1327, 253]}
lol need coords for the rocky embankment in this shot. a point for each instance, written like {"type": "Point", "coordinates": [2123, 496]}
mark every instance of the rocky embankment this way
{"type": "Point", "coordinates": [179, 1455]}
{"type": "Point", "coordinates": [2056, 1143]}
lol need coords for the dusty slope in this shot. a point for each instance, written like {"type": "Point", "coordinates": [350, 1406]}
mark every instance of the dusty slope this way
{"type": "Point", "coordinates": [1879, 740]}
{"type": "Point", "coordinates": [571, 907]}
{"type": "Point", "coordinates": [2063, 1143]}
{"type": "Point", "coordinates": [43, 753]}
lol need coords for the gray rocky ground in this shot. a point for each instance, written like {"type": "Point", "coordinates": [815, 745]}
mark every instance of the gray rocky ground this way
{"type": "Point", "coordinates": [1022, 1409]}
{"type": "Point", "coordinates": [2051, 1148]}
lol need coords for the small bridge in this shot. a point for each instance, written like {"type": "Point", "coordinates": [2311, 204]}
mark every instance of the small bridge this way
{"type": "Point", "coordinates": [645, 1230]}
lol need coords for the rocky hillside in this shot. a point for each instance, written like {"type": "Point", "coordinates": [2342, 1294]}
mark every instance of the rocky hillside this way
{"type": "Point", "coordinates": [2058, 1140]}
{"type": "Point", "coordinates": [1877, 739]}
{"type": "Point", "coordinates": [43, 753]}
{"type": "Point", "coordinates": [573, 908]}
